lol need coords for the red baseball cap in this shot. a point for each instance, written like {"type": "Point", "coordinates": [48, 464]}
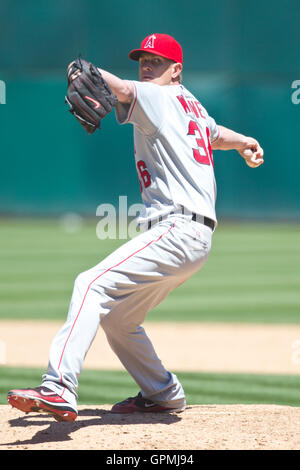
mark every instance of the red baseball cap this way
{"type": "Point", "coordinates": [159, 44]}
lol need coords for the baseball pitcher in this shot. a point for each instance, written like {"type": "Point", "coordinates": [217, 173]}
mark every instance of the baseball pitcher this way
{"type": "Point", "coordinates": [174, 139]}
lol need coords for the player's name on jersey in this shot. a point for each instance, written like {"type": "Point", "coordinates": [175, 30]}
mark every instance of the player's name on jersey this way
{"type": "Point", "coordinates": [191, 106]}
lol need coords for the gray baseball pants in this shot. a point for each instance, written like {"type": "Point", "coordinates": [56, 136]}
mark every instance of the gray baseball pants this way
{"type": "Point", "coordinates": [117, 294]}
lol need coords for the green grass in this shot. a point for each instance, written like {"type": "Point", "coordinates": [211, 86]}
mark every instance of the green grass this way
{"type": "Point", "coordinates": [107, 387]}
{"type": "Point", "coordinates": [252, 274]}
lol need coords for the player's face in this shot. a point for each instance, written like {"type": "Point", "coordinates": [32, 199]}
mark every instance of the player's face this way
{"type": "Point", "coordinates": [156, 69]}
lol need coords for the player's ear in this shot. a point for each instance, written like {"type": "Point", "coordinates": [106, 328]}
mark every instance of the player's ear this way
{"type": "Point", "coordinates": [176, 71]}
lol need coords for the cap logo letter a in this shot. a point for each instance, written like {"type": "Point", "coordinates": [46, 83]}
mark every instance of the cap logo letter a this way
{"type": "Point", "coordinates": [150, 42]}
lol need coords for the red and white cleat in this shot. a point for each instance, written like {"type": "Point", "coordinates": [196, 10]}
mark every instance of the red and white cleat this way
{"type": "Point", "coordinates": [42, 400]}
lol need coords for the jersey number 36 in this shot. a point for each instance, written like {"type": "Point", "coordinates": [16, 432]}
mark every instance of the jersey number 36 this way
{"type": "Point", "coordinates": [203, 153]}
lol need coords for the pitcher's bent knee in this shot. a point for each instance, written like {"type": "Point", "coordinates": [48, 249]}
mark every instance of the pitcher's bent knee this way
{"type": "Point", "coordinates": [88, 279]}
{"type": "Point", "coordinates": [82, 281]}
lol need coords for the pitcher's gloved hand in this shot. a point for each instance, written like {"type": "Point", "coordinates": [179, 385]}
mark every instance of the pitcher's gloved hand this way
{"type": "Point", "coordinates": [89, 96]}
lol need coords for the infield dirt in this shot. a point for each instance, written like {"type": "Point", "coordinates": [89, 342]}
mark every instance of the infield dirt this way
{"type": "Point", "coordinates": [201, 347]}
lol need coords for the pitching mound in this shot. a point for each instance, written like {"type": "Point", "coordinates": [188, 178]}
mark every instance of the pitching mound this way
{"type": "Point", "coordinates": [262, 427]}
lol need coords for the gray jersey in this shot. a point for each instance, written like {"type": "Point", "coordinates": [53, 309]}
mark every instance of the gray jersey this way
{"type": "Point", "coordinates": [172, 143]}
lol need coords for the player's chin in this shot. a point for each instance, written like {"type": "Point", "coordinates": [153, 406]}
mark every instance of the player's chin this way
{"type": "Point", "coordinates": [147, 78]}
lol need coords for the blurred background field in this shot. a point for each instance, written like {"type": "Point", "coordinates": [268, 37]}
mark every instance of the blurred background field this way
{"type": "Point", "coordinates": [240, 60]}
{"type": "Point", "coordinates": [107, 387]}
{"type": "Point", "coordinates": [252, 274]}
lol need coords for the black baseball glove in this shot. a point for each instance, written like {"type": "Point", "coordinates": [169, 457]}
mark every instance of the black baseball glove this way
{"type": "Point", "coordinates": [89, 96]}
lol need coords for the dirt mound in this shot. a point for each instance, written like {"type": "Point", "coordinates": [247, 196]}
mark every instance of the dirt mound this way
{"type": "Point", "coordinates": [262, 427]}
